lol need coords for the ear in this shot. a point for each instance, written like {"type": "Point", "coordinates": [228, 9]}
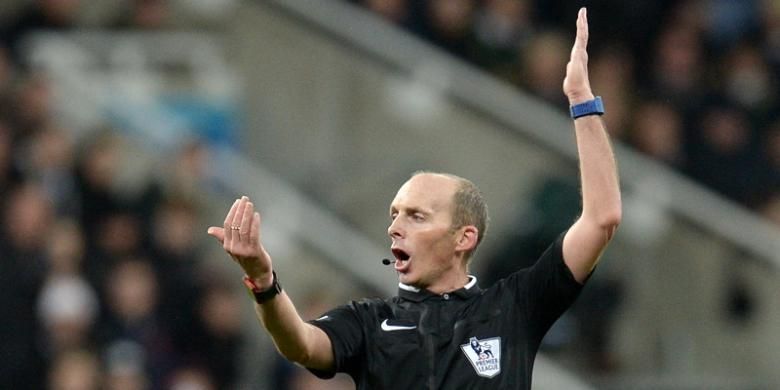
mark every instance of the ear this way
{"type": "Point", "coordinates": [467, 238]}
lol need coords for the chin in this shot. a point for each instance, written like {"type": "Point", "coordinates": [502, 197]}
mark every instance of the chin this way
{"type": "Point", "coordinates": [406, 279]}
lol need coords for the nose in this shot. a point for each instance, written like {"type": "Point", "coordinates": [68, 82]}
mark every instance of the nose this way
{"type": "Point", "coordinates": [395, 230]}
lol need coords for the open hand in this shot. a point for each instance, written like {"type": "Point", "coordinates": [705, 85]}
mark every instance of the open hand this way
{"type": "Point", "coordinates": [576, 85]}
{"type": "Point", "coordinates": [240, 237]}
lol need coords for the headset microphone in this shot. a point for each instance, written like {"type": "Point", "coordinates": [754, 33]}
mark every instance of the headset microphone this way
{"type": "Point", "coordinates": [387, 261]}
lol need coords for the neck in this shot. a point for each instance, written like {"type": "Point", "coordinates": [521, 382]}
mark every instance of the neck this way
{"type": "Point", "coordinates": [446, 284]}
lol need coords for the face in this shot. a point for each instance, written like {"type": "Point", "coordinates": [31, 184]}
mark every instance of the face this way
{"type": "Point", "coordinates": [423, 242]}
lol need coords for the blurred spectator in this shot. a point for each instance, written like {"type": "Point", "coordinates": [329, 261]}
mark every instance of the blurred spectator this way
{"type": "Point", "coordinates": [176, 256]}
{"type": "Point", "coordinates": [68, 309]}
{"type": "Point", "coordinates": [544, 65]}
{"type": "Point", "coordinates": [748, 80]}
{"type": "Point", "coordinates": [396, 11]}
{"type": "Point", "coordinates": [145, 15]}
{"type": "Point", "coordinates": [31, 106]}
{"type": "Point", "coordinates": [114, 221]}
{"type": "Point", "coordinates": [723, 153]}
{"type": "Point", "coordinates": [688, 13]}
{"type": "Point", "coordinates": [125, 366]}
{"type": "Point", "coordinates": [116, 236]}
{"type": "Point", "coordinates": [611, 74]}
{"type": "Point", "coordinates": [132, 319]}
{"type": "Point", "coordinates": [26, 216]}
{"type": "Point", "coordinates": [657, 131]}
{"type": "Point", "coordinates": [678, 72]}
{"type": "Point", "coordinates": [68, 304]}
{"type": "Point", "coordinates": [502, 30]}
{"type": "Point", "coordinates": [97, 167]}
{"type": "Point", "coordinates": [192, 378]}
{"type": "Point", "coordinates": [174, 236]}
{"type": "Point", "coordinates": [65, 248]}
{"type": "Point", "coordinates": [50, 162]}
{"type": "Point", "coordinates": [186, 175]}
{"type": "Point", "coordinates": [728, 21]}
{"type": "Point", "coordinates": [219, 337]}
{"type": "Point", "coordinates": [448, 25]}
{"type": "Point", "coordinates": [75, 370]}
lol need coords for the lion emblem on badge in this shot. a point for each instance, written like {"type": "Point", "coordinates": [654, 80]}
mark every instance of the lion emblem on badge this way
{"type": "Point", "coordinates": [484, 355]}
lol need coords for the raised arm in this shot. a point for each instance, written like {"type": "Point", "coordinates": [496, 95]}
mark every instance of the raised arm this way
{"type": "Point", "coordinates": [295, 339]}
{"type": "Point", "coordinates": [601, 206]}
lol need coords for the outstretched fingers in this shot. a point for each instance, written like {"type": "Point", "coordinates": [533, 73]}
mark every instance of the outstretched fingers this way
{"type": "Point", "coordinates": [246, 222]}
{"type": "Point", "coordinates": [582, 29]}
{"type": "Point", "coordinates": [228, 232]}
{"type": "Point", "coordinates": [576, 85]}
{"type": "Point", "coordinates": [238, 216]}
{"type": "Point", "coordinates": [254, 231]}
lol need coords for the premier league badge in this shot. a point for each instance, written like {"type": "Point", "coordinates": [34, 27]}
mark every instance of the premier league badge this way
{"type": "Point", "coordinates": [484, 355]}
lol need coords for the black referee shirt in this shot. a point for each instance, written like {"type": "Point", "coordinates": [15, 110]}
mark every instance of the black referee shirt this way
{"type": "Point", "coordinates": [467, 339]}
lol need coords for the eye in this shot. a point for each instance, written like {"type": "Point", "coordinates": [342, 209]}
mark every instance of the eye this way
{"type": "Point", "coordinates": [418, 217]}
{"type": "Point", "coordinates": [393, 215]}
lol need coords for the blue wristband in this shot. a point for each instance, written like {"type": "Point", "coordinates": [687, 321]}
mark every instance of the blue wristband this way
{"type": "Point", "coordinates": [591, 107]}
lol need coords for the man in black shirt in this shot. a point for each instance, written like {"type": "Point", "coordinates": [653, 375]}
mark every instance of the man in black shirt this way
{"type": "Point", "coordinates": [442, 331]}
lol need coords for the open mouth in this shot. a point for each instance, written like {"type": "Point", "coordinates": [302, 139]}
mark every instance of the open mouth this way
{"type": "Point", "coordinates": [400, 254]}
{"type": "Point", "coordinates": [401, 260]}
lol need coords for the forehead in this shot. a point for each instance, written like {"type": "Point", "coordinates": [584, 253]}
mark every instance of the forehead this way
{"type": "Point", "coordinates": [429, 192]}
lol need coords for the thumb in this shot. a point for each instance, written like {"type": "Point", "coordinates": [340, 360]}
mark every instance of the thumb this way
{"type": "Point", "coordinates": [217, 232]}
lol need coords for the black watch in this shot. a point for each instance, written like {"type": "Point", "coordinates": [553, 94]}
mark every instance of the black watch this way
{"type": "Point", "coordinates": [261, 296]}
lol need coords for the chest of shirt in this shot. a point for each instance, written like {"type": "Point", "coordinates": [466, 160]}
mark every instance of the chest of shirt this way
{"type": "Point", "coordinates": [444, 343]}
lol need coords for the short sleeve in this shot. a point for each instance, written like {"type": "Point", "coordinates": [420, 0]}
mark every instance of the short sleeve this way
{"type": "Point", "coordinates": [343, 327]}
{"type": "Point", "coordinates": [546, 289]}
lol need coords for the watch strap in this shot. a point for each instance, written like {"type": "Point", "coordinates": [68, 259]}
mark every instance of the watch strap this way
{"type": "Point", "coordinates": [590, 107]}
{"type": "Point", "coordinates": [263, 296]}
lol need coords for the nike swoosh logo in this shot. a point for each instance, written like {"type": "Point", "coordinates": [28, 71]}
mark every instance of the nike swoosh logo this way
{"type": "Point", "coordinates": [323, 318]}
{"type": "Point", "coordinates": [390, 328]}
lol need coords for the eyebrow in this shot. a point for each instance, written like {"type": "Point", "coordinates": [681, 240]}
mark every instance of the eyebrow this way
{"type": "Point", "coordinates": [411, 210]}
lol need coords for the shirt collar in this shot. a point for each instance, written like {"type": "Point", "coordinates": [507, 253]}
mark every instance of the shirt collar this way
{"type": "Point", "coordinates": [418, 295]}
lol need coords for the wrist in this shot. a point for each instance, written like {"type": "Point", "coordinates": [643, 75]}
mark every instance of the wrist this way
{"type": "Point", "coordinates": [580, 98]}
{"type": "Point", "coordinates": [260, 294]}
{"type": "Point", "coordinates": [263, 280]}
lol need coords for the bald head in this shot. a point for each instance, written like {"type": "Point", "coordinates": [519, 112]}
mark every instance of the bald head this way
{"type": "Point", "coordinates": [468, 206]}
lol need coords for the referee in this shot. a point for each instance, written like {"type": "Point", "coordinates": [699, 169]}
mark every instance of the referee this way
{"type": "Point", "coordinates": [442, 331]}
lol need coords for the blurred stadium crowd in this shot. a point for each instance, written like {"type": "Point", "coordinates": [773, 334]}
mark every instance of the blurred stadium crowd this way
{"type": "Point", "coordinates": [107, 288]}
{"type": "Point", "coordinates": [104, 288]}
{"type": "Point", "coordinates": [692, 84]}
